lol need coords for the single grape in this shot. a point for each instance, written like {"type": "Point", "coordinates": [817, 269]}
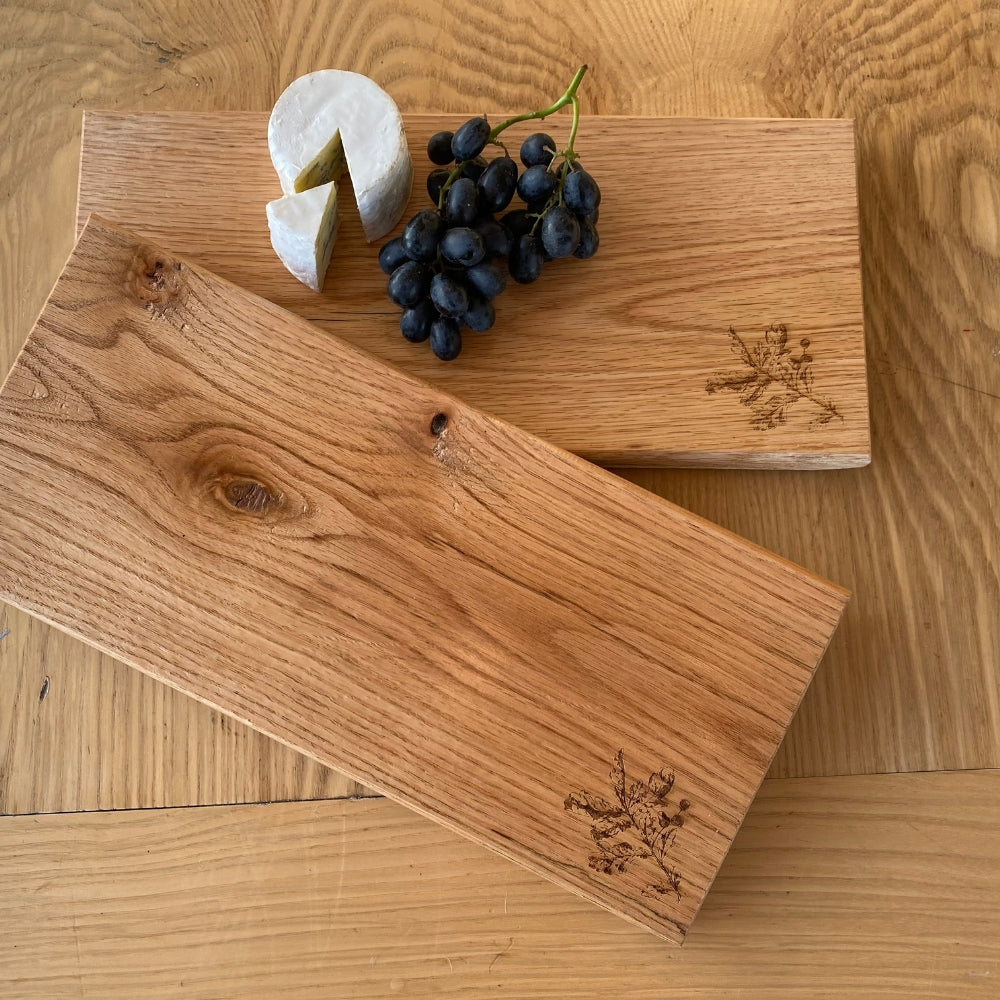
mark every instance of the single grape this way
{"type": "Point", "coordinates": [470, 139]}
{"type": "Point", "coordinates": [497, 184]}
{"type": "Point", "coordinates": [496, 237]}
{"type": "Point", "coordinates": [480, 315]}
{"type": "Point", "coordinates": [526, 259]}
{"type": "Point", "coordinates": [487, 278]}
{"type": "Point", "coordinates": [422, 235]}
{"type": "Point", "coordinates": [590, 240]}
{"type": "Point", "coordinates": [581, 193]}
{"type": "Point", "coordinates": [439, 148]}
{"type": "Point", "coordinates": [392, 255]}
{"type": "Point", "coordinates": [517, 223]}
{"type": "Point", "coordinates": [449, 296]}
{"type": "Point", "coordinates": [538, 148]}
{"type": "Point", "coordinates": [408, 284]}
{"type": "Point", "coordinates": [536, 184]}
{"type": "Point", "coordinates": [435, 181]}
{"type": "Point", "coordinates": [462, 246]}
{"type": "Point", "coordinates": [560, 232]}
{"type": "Point", "coordinates": [474, 169]}
{"type": "Point", "coordinates": [460, 203]}
{"type": "Point", "coordinates": [446, 338]}
{"type": "Point", "coordinates": [415, 323]}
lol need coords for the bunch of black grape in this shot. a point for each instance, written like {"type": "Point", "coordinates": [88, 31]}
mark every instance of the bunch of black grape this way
{"type": "Point", "coordinates": [448, 265]}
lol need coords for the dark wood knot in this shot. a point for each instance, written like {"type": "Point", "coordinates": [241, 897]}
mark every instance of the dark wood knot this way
{"type": "Point", "coordinates": [252, 497]}
{"type": "Point", "coordinates": [155, 278]}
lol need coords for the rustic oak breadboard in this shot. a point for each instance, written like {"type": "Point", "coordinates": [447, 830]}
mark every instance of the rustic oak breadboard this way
{"type": "Point", "coordinates": [486, 628]}
{"type": "Point", "coordinates": [712, 230]}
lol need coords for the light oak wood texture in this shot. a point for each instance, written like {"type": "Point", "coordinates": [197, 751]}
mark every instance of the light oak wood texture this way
{"type": "Point", "coordinates": [456, 613]}
{"type": "Point", "coordinates": [739, 225]}
{"type": "Point", "coordinates": [854, 888]}
{"type": "Point", "coordinates": [152, 748]}
{"type": "Point", "coordinates": [912, 679]}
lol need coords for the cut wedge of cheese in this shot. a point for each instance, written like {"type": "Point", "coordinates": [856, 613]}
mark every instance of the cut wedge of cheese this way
{"type": "Point", "coordinates": [330, 119]}
{"type": "Point", "coordinates": [303, 229]}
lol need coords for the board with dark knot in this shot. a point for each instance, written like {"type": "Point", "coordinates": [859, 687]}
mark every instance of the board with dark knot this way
{"type": "Point", "coordinates": [490, 630]}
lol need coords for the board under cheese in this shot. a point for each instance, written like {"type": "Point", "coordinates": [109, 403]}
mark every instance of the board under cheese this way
{"type": "Point", "coordinates": [754, 224]}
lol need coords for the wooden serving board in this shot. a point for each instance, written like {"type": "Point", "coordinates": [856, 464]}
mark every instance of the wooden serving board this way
{"type": "Point", "coordinates": [653, 353]}
{"type": "Point", "coordinates": [508, 639]}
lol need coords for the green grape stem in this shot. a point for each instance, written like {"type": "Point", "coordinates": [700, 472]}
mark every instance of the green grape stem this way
{"type": "Point", "coordinates": [568, 154]}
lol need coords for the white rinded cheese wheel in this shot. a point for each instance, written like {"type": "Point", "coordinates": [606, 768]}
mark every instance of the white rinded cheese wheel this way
{"type": "Point", "coordinates": [313, 109]}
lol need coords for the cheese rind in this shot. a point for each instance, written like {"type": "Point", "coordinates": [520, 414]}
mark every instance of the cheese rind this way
{"type": "Point", "coordinates": [316, 107]}
{"type": "Point", "coordinates": [303, 228]}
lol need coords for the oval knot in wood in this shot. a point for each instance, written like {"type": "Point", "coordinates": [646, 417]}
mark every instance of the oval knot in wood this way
{"type": "Point", "coordinates": [252, 497]}
{"type": "Point", "coordinates": [154, 278]}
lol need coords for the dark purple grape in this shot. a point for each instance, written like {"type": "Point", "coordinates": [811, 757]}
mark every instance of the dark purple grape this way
{"type": "Point", "coordinates": [496, 237]}
{"type": "Point", "coordinates": [422, 235]}
{"type": "Point", "coordinates": [517, 223]}
{"type": "Point", "coordinates": [408, 284]}
{"type": "Point", "coordinates": [446, 338]}
{"type": "Point", "coordinates": [480, 315]}
{"type": "Point", "coordinates": [439, 148]}
{"type": "Point", "coordinates": [460, 203]}
{"type": "Point", "coordinates": [526, 260]}
{"type": "Point", "coordinates": [462, 246]}
{"type": "Point", "coordinates": [536, 184]}
{"type": "Point", "coordinates": [560, 232]}
{"type": "Point", "coordinates": [590, 240]}
{"type": "Point", "coordinates": [415, 323]}
{"type": "Point", "coordinates": [449, 296]}
{"type": "Point", "coordinates": [581, 193]}
{"type": "Point", "coordinates": [470, 139]}
{"type": "Point", "coordinates": [538, 148]}
{"type": "Point", "coordinates": [392, 255]}
{"type": "Point", "coordinates": [436, 180]}
{"type": "Point", "coordinates": [497, 184]}
{"type": "Point", "coordinates": [474, 169]}
{"type": "Point", "coordinates": [487, 278]}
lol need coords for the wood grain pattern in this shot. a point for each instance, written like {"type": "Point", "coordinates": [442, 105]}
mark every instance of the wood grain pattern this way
{"type": "Point", "coordinates": [854, 888]}
{"type": "Point", "coordinates": [394, 583]}
{"type": "Point", "coordinates": [149, 748]}
{"type": "Point", "coordinates": [912, 679]}
{"type": "Point", "coordinates": [611, 359]}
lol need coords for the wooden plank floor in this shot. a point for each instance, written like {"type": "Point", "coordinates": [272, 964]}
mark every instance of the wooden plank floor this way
{"type": "Point", "coordinates": [855, 888]}
{"type": "Point", "coordinates": [912, 679]}
{"type": "Point", "coordinates": [862, 887]}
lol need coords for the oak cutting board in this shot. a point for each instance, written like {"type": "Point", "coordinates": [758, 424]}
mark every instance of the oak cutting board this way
{"type": "Point", "coordinates": [719, 325]}
{"type": "Point", "coordinates": [508, 639]}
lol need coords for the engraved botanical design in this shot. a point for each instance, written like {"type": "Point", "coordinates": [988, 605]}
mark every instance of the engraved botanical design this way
{"type": "Point", "coordinates": [638, 826]}
{"type": "Point", "coordinates": [771, 379]}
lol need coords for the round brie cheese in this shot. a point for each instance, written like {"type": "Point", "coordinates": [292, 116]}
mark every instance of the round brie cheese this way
{"type": "Point", "coordinates": [327, 117]}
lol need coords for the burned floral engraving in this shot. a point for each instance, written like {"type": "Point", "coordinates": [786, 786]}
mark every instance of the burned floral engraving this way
{"type": "Point", "coordinates": [772, 378]}
{"type": "Point", "coordinates": [637, 827]}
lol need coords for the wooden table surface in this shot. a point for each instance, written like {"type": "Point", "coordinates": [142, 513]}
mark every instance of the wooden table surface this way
{"type": "Point", "coordinates": [847, 880]}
